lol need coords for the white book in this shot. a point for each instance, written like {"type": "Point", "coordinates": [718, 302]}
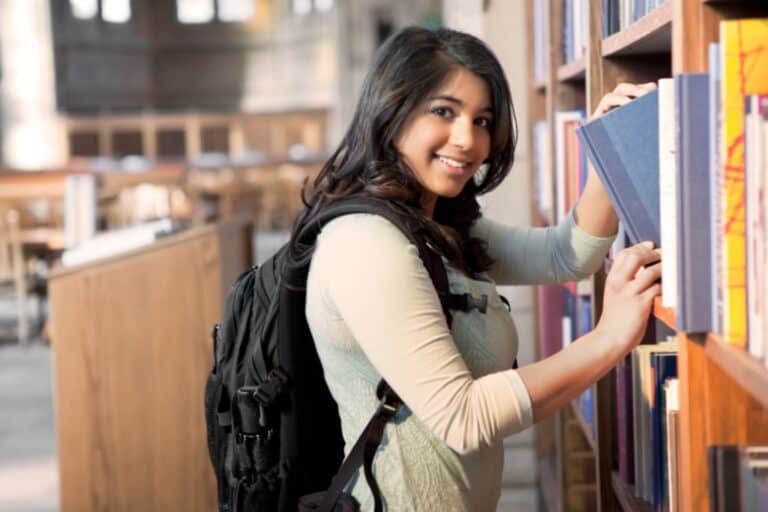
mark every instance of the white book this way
{"type": "Point", "coordinates": [576, 39]}
{"type": "Point", "coordinates": [672, 411]}
{"type": "Point", "coordinates": [80, 209]}
{"type": "Point", "coordinates": [755, 230]}
{"type": "Point", "coordinates": [668, 191]}
{"type": "Point", "coordinates": [544, 182]}
{"type": "Point", "coordinates": [566, 325]}
{"type": "Point", "coordinates": [116, 242]}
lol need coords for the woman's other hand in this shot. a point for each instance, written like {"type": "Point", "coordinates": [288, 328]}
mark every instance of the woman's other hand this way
{"type": "Point", "coordinates": [630, 288]}
{"type": "Point", "coordinates": [621, 95]}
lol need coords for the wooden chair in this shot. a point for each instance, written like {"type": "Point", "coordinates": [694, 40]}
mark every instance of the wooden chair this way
{"type": "Point", "coordinates": [12, 269]}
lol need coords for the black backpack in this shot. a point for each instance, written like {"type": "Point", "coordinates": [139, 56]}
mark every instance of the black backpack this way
{"type": "Point", "coordinates": [274, 433]}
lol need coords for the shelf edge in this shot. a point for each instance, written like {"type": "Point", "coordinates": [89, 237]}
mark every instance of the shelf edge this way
{"type": "Point", "coordinates": [746, 371]}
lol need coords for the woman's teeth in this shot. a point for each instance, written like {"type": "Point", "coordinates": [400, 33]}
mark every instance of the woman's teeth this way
{"type": "Point", "coordinates": [451, 162]}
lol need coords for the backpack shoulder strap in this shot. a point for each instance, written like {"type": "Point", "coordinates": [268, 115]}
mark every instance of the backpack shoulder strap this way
{"type": "Point", "coordinates": [303, 244]}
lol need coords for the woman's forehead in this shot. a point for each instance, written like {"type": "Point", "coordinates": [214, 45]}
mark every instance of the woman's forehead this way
{"type": "Point", "coordinates": [468, 88]}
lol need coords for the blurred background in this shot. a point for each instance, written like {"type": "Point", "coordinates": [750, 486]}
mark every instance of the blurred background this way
{"type": "Point", "coordinates": [124, 120]}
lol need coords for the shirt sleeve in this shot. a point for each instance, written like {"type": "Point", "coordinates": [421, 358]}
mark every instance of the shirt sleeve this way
{"type": "Point", "coordinates": [373, 278]}
{"type": "Point", "coordinates": [525, 255]}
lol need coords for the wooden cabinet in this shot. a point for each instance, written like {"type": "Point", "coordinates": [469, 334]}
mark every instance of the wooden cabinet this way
{"type": "Point", "coordinates": [131, 338]}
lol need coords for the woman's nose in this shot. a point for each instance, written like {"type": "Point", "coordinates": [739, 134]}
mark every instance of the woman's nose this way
{"type": "Point", "coordinates": [462, 134]}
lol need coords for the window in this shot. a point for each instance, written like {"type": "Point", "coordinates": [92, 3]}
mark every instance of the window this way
{"type": "Point", "coordinates": [323, 5]}
{"type": "Point", "coordinates": [116, 11]}
{"type": "Point", "coordinates": [84, 9]}
{"type": "Point", "coordinates": [302, 7]}
{"type": "Point", "coordinates": [205, 11]}
{"type": "Point", "coordinates": [194, 11]}
{"type": "Point", "coordinates": [235, 10]}
{"type": "Point", "coordinates": [112, 11]}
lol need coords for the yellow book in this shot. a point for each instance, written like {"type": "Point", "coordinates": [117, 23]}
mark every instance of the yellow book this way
{"type": "Point", "coordinates": [744, 58]}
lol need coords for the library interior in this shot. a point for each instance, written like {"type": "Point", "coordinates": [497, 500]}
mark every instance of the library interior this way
{"type": "Point", "coordinates": [153, 151]}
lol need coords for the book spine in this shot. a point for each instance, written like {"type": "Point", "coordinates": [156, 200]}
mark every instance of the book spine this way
{"type": "Point", "coordinates": [694, 273]}
{"type": "Point", "coordinates": [667, 192]}
{"type": "Point", "coordinates": [745, 71]}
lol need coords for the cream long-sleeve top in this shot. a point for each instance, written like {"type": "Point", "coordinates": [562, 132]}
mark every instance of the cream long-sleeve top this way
{"type": "Point", "coordinates": [373, 313]}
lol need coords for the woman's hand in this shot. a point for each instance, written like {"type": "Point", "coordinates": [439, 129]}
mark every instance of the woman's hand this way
{"type": "Point", "coordinates": [628, 296]}
{"type": "Point", "coordinates": [621, 95]}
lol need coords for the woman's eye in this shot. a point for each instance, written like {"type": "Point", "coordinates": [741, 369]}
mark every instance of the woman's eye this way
{"type": "Point", "coordinates": [483, 122]}
{"type": "Point", "coordinates": [442, 111]}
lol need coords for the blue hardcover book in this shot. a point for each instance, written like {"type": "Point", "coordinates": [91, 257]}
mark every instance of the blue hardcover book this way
{"type": "Point", "coordinates": [664, 365]}
{"type": "Point", "coordinates": [623, 146]}
{"type": "Point", "coordinates": [694, 274]}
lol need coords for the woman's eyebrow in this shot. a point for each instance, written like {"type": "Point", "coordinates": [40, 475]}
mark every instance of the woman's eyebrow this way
{"type": "Point", "coordinates": [456, 101]}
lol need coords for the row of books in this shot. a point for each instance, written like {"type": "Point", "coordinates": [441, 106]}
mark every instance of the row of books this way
{"type": "Point", "coordinates": [648, 433]}
{"type": "Point", "coordinates": [646, 419]}
{"type": "Point", "coordinates": [576, 318]}
{"type": "Point", "coordinates": [738, 477]}
{"type": "Point", "coordinates": [575, 29]}
{"type": "Point", "coordinates": [679, 154]}
{"type": "Point", "coordinates": [540, 40]}
{"type": "Point", "coordinates": [619, 14]}
{"type": "Point", "coordinates": [570, 166]}
{"type": "Point", "coordinates": [565, 313]}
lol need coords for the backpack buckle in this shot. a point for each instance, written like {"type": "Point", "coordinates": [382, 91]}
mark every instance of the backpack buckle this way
{"type": "Point", "coordinates": [386, 410]}
{"type": "Point", "coordinates": [273, 387]}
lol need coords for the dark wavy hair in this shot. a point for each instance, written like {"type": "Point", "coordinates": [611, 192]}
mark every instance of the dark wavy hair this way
{"type": "Point", "coordinates": [407, 68]}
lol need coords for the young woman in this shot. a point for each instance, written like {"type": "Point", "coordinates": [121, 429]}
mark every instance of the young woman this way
{"type": "Point", "coordinates": [434, 128]}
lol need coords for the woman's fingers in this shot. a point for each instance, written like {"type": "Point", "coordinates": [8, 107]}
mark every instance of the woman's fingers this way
{"type": "Point", "coordinates": [646, 277]}
{"type": "Point", "coordinates": [634, 90]}
{"type": "Point", "coordinates": [631, 259]}
{"type": "Point", "coordinates": [621, 95]}
{"type": "Point", "coordinates": [652, 292]}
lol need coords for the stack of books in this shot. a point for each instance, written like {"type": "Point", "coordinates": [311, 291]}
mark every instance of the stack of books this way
{"type": "Point", "coordinates": [738, 478]}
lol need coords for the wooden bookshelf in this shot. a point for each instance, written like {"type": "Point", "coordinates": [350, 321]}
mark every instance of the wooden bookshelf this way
{"type": "Point", "coordinates": [572, 71]}
{"type": "Point", "coordinates": [590, 437]}
{"type": "Point", "coordinates": [747, 371]}
{"type": "Point", "coordinates": [665, 315]}
{"type": "Point", "coordinates": [650, 34]}
{"type": "Point", "coordinates": [626, 496]}
{"type": "Point", "coordinates": [723, 392]}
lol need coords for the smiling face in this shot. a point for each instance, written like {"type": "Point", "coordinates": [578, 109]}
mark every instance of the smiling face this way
{"type": "Point", "coordinates": [448, 137]}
